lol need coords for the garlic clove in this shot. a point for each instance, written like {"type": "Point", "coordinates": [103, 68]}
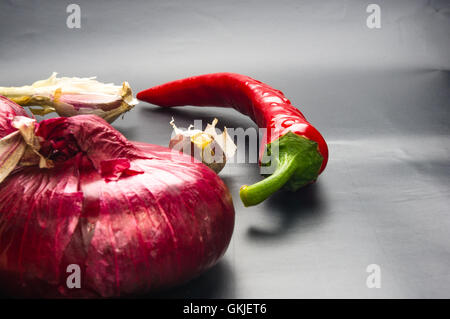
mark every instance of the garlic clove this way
{"type": "Point", "coordinates": [205, 146]}
{"type": "Point", "coordinates": [74, 96]}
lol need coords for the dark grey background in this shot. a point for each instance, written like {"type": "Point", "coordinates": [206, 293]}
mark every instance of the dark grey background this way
{"type": "Point", "coordinates": [380, 98]}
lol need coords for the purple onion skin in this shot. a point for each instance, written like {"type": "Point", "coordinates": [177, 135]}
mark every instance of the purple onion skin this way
{"type": "Point", "coordinates": [93, 101]}
{"type": "Point", "coordinates": [8, 109]}
{"type": "Point", "coordinates": [135, 217]}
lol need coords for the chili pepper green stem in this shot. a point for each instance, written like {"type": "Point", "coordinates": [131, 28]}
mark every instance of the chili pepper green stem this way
{"type": "Point", "coordinates": [258, 192]}
{"type": "Point", "coordinates": [297, 162]}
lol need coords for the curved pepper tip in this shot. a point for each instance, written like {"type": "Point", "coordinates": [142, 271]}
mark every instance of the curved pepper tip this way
{"type": "Point", "coordinates": [140, 95]}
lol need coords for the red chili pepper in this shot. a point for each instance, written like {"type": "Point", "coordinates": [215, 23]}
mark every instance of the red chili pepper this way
{"type": "Point", "coordinates": [303, 152]}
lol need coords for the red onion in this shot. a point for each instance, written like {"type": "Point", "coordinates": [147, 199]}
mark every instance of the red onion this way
{"type": "Point", "coordinates": [134, 217]}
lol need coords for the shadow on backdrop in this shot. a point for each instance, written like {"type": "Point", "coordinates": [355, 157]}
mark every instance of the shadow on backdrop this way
{"type": "Point", "coordinates": [129, 132]}
{"type": "Point", "coordinates": [226, 116]}
{"type": "Point", "coordinates": [217, 282]}
{"type": "Point", "coordinates": [293, 210]}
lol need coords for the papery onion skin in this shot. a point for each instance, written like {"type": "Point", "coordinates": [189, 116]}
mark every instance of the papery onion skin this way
{"type": "Point", "coordinates": [162, 221]}
{"type": "Point", "coordinates": [70, 96]}
{"type": "Point", "coordinates": [9, 109]}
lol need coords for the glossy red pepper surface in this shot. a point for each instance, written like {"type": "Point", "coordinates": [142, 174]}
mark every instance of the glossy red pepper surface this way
{"type": "Point", "coordinates": [268, 107]}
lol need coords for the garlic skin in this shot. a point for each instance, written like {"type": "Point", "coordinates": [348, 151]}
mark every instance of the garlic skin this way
{"type": "Point", "coordinates": [207, 146]}
{"type": "Point", "coordinates": [69, 96]}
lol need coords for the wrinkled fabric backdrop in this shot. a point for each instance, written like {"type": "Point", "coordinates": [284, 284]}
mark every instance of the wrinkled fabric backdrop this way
{"type": "Point", "coordinates": [380, 97]}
